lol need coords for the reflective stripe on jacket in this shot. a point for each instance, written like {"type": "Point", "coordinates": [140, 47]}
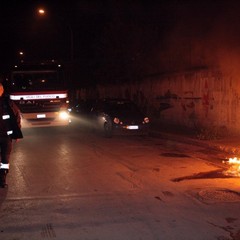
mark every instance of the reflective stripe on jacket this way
{"type": "Point", "coordinates": [11, 119]}
{"type": "Point", "coordinates": [4, 166]}
{"type": "Point", "coordinates": [8, 123]}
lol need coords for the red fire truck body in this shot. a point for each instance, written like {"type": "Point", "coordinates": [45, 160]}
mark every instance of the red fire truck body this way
{"type": "Point", "coordinates": [40, 93]}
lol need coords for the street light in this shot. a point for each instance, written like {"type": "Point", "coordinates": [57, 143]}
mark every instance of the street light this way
{"type": "Point", "coordinates": [42, 12]}
{"type": "Point", "coordinates": [21, 53]}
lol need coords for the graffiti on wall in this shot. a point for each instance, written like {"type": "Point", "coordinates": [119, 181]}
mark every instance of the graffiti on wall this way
{"type": "Point", "coordinates": [165, 101]}
{"type": "Point", "coordinates": [207, 99]}
{"type": "Point", "coordinates": [186, 105]}
{"type": "Point", "coordinates": [188, 101]}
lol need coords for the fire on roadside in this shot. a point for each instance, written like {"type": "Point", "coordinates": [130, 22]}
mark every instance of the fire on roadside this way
{"type": "Point", "coordinates": [234, 167]}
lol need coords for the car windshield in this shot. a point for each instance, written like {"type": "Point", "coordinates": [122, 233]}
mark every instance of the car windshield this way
{"type": "Point", "coordinates": [121, 107]}
{"type": "Point", "coordinates": [29, 81]}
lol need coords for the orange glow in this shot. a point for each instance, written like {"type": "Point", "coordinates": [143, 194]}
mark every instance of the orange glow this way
{"type": "Point", "coordinates": [234, 169]}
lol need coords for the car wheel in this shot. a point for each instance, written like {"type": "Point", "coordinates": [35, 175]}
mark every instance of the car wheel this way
{"type": "Point", "coordinates": [107, 130]}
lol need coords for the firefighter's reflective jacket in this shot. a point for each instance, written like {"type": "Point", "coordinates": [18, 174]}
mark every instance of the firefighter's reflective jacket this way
{"type": "Point", "coordinates": [10, 120]}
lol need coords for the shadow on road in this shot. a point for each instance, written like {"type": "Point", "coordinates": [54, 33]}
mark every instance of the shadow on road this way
{"type": "Point", "coordinates": [3, 195]}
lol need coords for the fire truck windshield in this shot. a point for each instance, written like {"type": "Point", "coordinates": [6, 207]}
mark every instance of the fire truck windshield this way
{"type": "Point", "coordinates": [25, 81]}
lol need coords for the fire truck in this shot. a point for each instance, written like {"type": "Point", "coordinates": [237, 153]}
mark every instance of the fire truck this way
{"type": "Point", "coordinates": [40, 92]}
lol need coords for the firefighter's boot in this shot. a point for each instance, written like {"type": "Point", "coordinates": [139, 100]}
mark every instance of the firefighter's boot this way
{"type": "Point", "coordinates": [3, 175]}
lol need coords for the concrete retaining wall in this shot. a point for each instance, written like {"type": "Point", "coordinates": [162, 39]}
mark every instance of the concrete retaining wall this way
{"type": "Point", "coordinates": [193, 99]}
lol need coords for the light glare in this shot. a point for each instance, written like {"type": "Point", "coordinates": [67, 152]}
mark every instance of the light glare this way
{"type": "Point", "coordinates": [41, 11]}
{"type": "Point", "coordinates": [63, 115]}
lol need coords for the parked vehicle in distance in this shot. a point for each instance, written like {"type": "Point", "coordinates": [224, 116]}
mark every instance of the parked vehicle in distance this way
{"type": "Point", "coordinates": [117, 116]}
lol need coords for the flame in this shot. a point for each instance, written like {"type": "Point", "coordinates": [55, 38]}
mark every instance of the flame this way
{"type": "Point", "coordinates": [234, 169]}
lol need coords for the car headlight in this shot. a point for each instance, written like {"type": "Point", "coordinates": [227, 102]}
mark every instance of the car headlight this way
{"type": "Point", "coordinates": [63, 115]}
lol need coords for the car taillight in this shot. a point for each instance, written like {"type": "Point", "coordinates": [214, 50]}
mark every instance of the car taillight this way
{"type": "Point", "coordinates": [116, 120]}
{"type": "Point", "coordinates": [146, 120]}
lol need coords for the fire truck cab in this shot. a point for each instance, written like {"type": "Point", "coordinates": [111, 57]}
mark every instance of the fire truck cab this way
{"type": "Point", "coordinates": [39, 90]}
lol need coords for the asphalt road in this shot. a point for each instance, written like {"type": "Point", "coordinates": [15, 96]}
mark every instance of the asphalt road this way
{"type": "Point", "coordinates": [71, 183]}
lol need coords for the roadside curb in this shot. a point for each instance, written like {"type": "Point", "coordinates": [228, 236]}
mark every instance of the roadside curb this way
{"type": "Point", "coordinates": [214, 145]}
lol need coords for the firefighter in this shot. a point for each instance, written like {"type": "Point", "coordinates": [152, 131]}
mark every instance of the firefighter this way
{"type": "Point", "coordinates": [10, 128]}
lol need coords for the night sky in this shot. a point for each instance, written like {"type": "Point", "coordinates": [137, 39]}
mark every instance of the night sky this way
{"type": "Point", "coordinates": [123, 39]}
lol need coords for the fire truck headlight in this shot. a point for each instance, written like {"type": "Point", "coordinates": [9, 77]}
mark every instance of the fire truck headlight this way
{"type": "Point", "coordinates": [63, 115]}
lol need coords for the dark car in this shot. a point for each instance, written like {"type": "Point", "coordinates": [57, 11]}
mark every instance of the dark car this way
{"type": "Point", "coordinates": [113, 116]}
